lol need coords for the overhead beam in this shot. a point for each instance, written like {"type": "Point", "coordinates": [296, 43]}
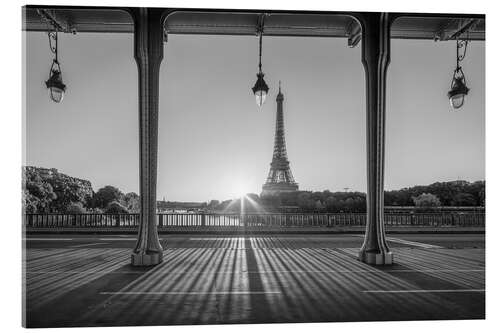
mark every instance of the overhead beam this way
{"type": "Point", "coordinates": [242, 22]}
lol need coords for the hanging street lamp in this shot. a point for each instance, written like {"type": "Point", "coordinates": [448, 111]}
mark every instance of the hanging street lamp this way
{"type": "Point", "coordinates": [458, 89]}
{"type": "Point", "coordinates": [458, 92]}
{"type": "Point", "coordinates": [55, 85]}
{"type": "Point", "coordinates": [260, 89]}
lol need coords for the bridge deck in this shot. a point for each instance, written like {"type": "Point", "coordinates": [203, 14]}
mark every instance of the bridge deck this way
{"type": "Point", "coordinates": [87, 280]}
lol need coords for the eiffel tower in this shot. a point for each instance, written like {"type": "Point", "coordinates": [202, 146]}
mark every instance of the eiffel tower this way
{"type": "Point", "coordinates": [280, 178]}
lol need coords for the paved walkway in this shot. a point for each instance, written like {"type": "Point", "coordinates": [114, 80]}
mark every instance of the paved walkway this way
{"type": "Point", "coordinates": [250, 280]}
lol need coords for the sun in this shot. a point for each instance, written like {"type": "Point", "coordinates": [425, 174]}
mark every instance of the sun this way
{"type": "Point", "coordinates": [240, 188]}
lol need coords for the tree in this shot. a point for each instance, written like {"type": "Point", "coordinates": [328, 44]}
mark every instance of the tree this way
{"type": "Point", "coordinates": [213, 204]}
{"type": "Point", "coordinates": [464, 199]}
{"type": "Point", "coordinates": [319, 206]}
{"type": "Point", "coordinates": [272, 200]}
{"type": "Point", "coordinates": [289, 198]}
{"type": "Point", "coordinates": [30, 203]}
{"type": "Point", "coordinates": [115, 207]}
{"type": "Point", "coordinates": [75, 208]}
{"type": "Point", "coordinates": [104, 196]}
{"type": "Point", "coordinates": [354, 204]}
{"type": "Point", "coordinates": [68, 190]}
{"type": "Point", "coordinates": [37, 193]}
{"type": "Point", "coordinates": [449, 193]}
{"type": "Point", "coordinates": [398, 198]}
{"type": "Point", "coordinates": [482, 197]}
{"type": "Point", "coordinates": [305, 201]}
{"type": "Point", "coordinates": [332, 204]}
{"type": "Point", "coordinates": [132, 201]}
{"type": "Point", "coordinates": [477, 189]}
{"type": "Point", "coordinates": [426, 200]}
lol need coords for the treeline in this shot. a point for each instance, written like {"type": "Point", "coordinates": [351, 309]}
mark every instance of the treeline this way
{"type": "Point", "coordinates": [454, 193]}
{"type": "Point", "coordinates": [49, 191]}
{"type": "Point", "coordinates": [458, 193]}
{"type": "Point", "coordinates": [303, 201]}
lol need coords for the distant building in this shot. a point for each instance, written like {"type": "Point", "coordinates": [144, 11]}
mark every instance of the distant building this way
{"type": "Point", "coordinates": [179, 207]}
{"type": "Point", "coordinates": [280, 178]}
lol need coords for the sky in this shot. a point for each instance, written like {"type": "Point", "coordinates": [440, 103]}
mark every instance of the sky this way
{"type": "Point", "coordinates": [215, 143]}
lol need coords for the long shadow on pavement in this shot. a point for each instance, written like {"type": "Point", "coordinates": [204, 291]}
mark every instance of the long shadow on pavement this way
{"type": "Point", "coordinates": [435, 271]}
{"type": "Point", "coordinates": [260, 309]}
{"type": "Point", "coordinates": [63, 311]}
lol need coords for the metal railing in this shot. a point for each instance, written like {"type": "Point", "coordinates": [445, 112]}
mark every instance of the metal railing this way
{"type": "Point", "coordinates": [259, 221]}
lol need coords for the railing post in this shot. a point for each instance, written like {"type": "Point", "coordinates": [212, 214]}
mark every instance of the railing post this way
{"type": "Point", "coordinates": [202, 219]}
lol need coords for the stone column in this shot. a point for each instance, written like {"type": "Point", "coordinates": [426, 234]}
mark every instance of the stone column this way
{"type": "Point", "coordinates": [148, 53]}
{"type": "Point", "coordinates": [375, 57]}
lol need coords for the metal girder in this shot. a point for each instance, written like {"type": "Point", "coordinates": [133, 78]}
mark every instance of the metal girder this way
{"type": "Point", "coordinates": [243, 22]}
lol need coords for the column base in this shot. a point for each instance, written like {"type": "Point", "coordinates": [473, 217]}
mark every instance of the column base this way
{"type": "Point", "coordinates": [146, 259]}
{"type": "Point", "coordinates": [376, 259]}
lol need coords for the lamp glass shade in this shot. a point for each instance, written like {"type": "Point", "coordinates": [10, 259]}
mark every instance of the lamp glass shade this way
{"type": "Point", "coordinates": [458, 92]}
{"type": "Point", "coordinates": [260, 97]}
{"type": "Point", "coordinates": [56, 94]}
{"type": "Point", "coordinates": [260, 89]}
{"type": "Point", "coordinates": [55, 86]}
{"type": "Point", "coordinates": [456, 101]}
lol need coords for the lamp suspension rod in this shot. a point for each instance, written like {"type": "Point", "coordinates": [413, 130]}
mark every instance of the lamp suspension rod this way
{"type": "Point", "coordinates": [461, 43]}
{"type": "Point", "coordinates": [53, 26]}
{"type": "Point", "coordinates": [260, 52]}
{"type": "Point", "coordinates": [55, 49]}
{"type": "Point", "coordinates": [260, 31]}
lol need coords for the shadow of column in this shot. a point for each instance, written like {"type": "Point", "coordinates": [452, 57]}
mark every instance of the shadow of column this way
{"type": "Point", "coordinates": [261, 311]}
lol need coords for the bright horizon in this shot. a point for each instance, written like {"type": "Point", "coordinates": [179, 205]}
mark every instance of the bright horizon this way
{"type": "Point", "coordinates": [215, 143]}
